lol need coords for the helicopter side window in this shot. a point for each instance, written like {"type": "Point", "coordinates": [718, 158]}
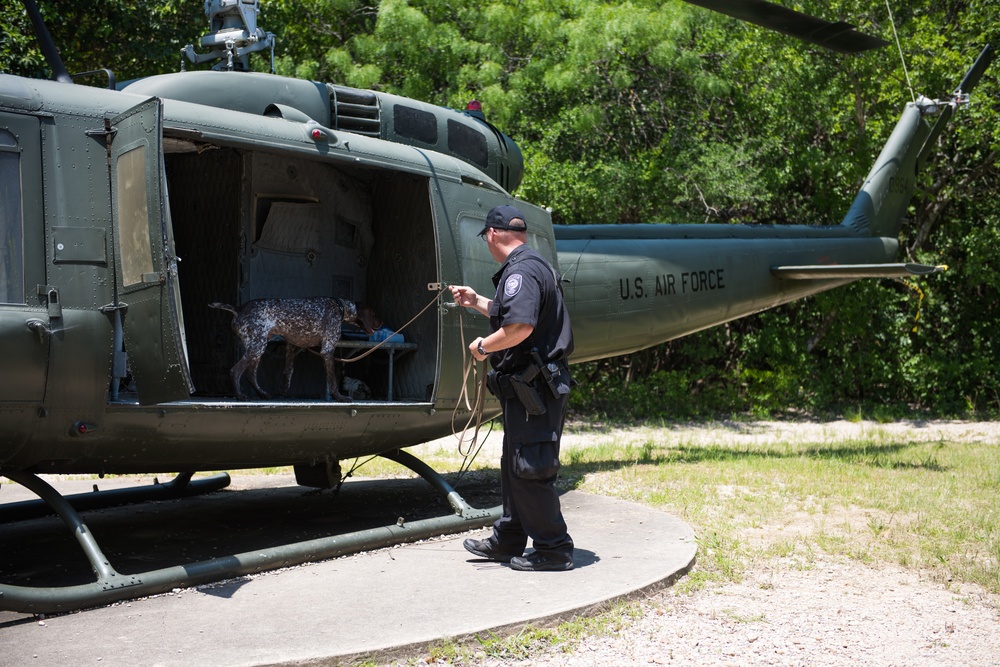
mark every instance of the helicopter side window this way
{"type": "Point", "coordinates": [11, 230]}
{"type": "Point", "coordinates": [468, 143]}
{"type": "Point", "coordinates": [415, 124]}
{"type": "Point", "coordinates": [133, 217]}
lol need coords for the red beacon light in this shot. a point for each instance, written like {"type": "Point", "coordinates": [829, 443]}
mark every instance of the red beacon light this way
{"type": "Point", "coordinates": [475, 109]}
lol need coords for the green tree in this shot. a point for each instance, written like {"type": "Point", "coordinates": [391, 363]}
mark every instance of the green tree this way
{"type": "Point", "coordinates": [132, 38]}
{"type": "Point", "coordinates": [653, 111]}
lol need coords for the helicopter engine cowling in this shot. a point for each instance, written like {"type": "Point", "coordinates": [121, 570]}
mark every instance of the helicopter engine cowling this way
{"type": "Point", "coordinates": [464, 135]}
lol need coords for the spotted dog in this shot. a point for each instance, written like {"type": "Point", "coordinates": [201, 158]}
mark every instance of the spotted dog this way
{"type": "Point", "coordinates": [302, 323]}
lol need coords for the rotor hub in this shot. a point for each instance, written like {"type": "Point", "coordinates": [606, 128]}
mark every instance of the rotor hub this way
{"type": "Point", "coordinates": [234, 36]}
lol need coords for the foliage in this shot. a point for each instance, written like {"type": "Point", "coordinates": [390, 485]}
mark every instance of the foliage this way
{"type": "Point", "coordinates": [652, 111]}
{"type": "Point", "coordinates": [132, 38]}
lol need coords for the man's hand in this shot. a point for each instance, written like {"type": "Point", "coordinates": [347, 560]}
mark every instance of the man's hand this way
{"type": "Point", "coordinates": [467, 297]}
{"type": "Point", "coordinates": [474, 350]}
{"type": "Point", "coordinates": [464, 296]}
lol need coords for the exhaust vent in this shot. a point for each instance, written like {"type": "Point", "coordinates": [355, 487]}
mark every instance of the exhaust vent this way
{"type": "Point", "coordinates": [357, 111]}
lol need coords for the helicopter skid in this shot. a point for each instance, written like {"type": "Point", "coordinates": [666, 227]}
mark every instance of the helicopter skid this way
{"type": "Point", "coordinates": [181, 486]}
{"type": "Point", "coordinates": [111, 586]}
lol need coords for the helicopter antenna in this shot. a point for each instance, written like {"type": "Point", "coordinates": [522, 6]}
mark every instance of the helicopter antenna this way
{"type": "Point", "coordinates": [892, 22]}
{"type": "Point", "coordinates": [234, 36]}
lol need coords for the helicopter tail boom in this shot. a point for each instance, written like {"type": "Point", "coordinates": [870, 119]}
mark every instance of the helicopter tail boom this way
{"type": "Point", "coordinates": [632, 286]}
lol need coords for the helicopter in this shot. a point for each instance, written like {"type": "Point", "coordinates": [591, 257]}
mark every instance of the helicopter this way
{"type": "Point", "coordinates": [128, 209]}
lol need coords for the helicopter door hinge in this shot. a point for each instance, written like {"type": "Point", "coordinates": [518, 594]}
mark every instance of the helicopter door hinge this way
{"type": "Point", "coordinates": [51, 296]}
{"type": "Point", "coordinates": [102, 132]}
{"type": "Point", "coordinates": [108, 133]}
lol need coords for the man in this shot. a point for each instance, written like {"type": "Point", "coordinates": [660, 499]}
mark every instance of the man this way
{"type": "Point", "coordinates": [528, 345]}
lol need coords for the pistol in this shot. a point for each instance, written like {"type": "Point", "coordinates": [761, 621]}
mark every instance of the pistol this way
{"type": "Point", "coordinates": [549, 372]}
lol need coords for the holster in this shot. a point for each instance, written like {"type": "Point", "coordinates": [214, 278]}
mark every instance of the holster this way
{"type": "Point", "coordinates": [527, 394]}
{"type": "Point", "coordinates": [549, 373]}
{"type": "Point", "coordinates": [519, 386]}
{"type": "Point", "coordinates": [493, 384]}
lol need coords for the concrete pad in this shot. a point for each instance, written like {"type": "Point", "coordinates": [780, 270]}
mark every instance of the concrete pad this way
{"type": "Point", "coordinates": [377, 604]}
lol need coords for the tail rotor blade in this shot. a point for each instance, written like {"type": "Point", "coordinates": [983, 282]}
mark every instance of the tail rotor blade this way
{"type": "Point", "coordinates": [975, 73]}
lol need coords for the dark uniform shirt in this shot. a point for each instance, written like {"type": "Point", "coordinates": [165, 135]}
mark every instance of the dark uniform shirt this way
{"type": "Point", "coordinates": [527, 293]}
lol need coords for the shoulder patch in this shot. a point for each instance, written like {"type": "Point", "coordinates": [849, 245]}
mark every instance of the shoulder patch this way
{"type": "Point", "coordinates": [512, 285]}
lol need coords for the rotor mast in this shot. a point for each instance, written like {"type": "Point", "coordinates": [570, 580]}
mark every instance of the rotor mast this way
{"type": "Point", "coordinates": [234, 36]}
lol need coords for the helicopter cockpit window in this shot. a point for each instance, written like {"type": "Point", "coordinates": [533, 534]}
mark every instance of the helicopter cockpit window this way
{"type": "Point", "coordinates": [468, 143]}
{"type": "Point", "coordinates": [415, 124]}
{"type": "Point", "coordinates": [11, 232]}
{"type": "Point", "coordinates": [133, 217]}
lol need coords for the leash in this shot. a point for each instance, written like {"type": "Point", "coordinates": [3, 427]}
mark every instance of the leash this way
{"type": "Point", "coordinates": [468, 448]}
{"type": "Point", "coordinates": [381, 343]}
{"type": "Point", "coordinates": [465, 448]}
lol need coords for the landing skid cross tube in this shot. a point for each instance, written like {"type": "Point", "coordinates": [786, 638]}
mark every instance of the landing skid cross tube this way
{"type": "Point", "coordinates": [181, 486]}
{"type": "Point", "coordinates": [112, 586]}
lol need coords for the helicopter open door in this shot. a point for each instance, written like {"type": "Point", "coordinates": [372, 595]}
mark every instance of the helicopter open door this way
{"type": "Point", "coordinates": [26, 322]}
{"type": "Point", "coordinates": [146, 265]}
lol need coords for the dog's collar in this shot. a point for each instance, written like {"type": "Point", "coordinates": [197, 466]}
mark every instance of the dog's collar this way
{"type": "Point", "coordinates": [348, 310]}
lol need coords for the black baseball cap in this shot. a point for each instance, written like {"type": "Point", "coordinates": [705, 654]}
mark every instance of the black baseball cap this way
{"type": "Point", "coordinates": [501, 217]}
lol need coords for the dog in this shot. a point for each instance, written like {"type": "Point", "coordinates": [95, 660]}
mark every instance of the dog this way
{"type": "Point", "coordinates": [303, 323]}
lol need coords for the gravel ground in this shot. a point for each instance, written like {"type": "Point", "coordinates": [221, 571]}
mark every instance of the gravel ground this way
{"type": "Point", "coordinates": [836, 613]}
{"type": "Point", "coordinates": [833, 612]}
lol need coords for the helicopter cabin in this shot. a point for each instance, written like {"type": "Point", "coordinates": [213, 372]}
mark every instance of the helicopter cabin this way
{"type": "Point", "coordinates": [258, 215]}
{"type": "Point", "coordinates": [250, 224]}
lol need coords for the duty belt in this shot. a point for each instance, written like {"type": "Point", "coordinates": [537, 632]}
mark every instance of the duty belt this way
{"type": "Point", "coordinates": [524, 385]}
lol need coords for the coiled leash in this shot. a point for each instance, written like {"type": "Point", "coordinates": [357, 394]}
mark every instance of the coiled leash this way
{"type": "Point", "coordinates": [478, 400]}
{"type": "Point", "coordinates": [468, 450]}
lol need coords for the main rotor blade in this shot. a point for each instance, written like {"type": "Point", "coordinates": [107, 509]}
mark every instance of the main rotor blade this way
{"type": "Point", "coordinates": [837, 36]}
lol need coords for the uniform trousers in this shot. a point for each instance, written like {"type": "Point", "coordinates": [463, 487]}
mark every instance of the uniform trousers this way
{"type": "Point", "coordinates": [528, 468]}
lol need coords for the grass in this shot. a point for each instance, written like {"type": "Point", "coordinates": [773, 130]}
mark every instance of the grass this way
{"type": "Point", "coordinates": [873, 496]}
{"type": "Point", "coordinates": [923, 504]}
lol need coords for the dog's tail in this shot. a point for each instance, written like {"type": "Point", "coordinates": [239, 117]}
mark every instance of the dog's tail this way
{"type": "Point", "coordinates": [223, 306]}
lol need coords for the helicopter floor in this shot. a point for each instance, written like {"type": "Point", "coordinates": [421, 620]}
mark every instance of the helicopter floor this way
{"type": "Point", "coordinates": [381, 603]}
{"type": "Point", "coordinates": [301, 403]}
{"type": "Point", "coordinates": [287, 402]}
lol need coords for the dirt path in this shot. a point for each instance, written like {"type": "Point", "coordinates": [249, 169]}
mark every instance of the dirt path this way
{"type": "Point", "coordinates": [836, 613]}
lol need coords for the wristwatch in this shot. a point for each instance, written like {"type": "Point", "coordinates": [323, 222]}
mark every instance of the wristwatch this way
{"type": "Point", "coordinates": [480, 349]}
